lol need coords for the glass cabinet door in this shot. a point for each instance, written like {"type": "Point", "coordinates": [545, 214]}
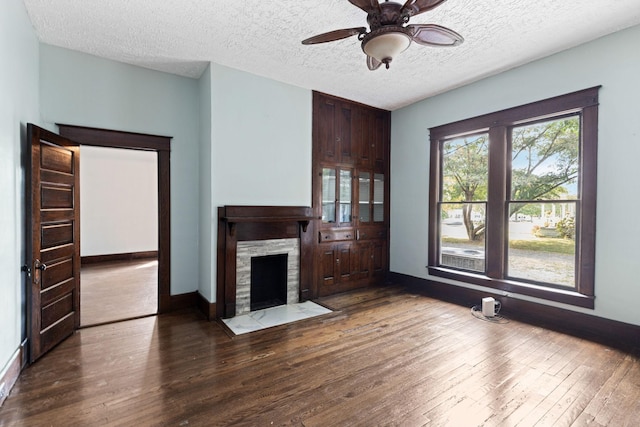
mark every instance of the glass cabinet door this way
{"type": "Point", "coordinates": [378, 197]}
{"type": "Point", "coordinates": [364, 197]}
{"type": "Point", "coordinates": [328, 195]}
{"type": "Point", "coordinates": [336, 195]}
{"type": "Point", "coordinates": [345, 196]}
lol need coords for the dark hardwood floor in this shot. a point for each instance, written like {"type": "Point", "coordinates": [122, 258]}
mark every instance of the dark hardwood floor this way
{"type": "Point", "coordinates": [386, 357]}
{"type": "Point", "coordinates": [117, 290]}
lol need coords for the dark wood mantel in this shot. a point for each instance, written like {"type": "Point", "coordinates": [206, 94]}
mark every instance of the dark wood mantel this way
{"type": "Point", "coordinates": [266, 214]}
{"type": "Point", "coordinates": [244, 223]}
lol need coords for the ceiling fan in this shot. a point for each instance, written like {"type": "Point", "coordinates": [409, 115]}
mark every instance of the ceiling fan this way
{"type": "Point", "coordinates": [389, 35]}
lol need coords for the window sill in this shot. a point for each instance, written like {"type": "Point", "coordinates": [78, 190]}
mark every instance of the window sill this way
{"type": "Point", "coordinates": [570, 297]}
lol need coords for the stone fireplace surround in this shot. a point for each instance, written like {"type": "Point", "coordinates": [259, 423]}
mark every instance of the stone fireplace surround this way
{"type": "Point", "coordinates": [257, 248]}
{"type": "Point", "coordinates": [264, 230]}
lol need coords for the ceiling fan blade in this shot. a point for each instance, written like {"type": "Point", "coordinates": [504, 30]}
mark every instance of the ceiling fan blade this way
{"type": "Point", "coordinates": [434, 35]}
{"type": "Point", "coordinates": [415, 7]}
{"type": "Point", "coordinates": [366, 5]}
{"type": "Point", "coordinates": [373, 63]}
{"type": "Point", "coordinates": [334, 35]}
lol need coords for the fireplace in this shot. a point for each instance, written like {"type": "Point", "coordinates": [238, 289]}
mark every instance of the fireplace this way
{"type": "Point", "coordinates": [247, 252]}
{"type": "Point", "coordinates": [250, 235]}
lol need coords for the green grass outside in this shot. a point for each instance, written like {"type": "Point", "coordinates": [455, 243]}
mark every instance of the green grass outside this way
{"type": "Point", "coordinates": [546, 244]}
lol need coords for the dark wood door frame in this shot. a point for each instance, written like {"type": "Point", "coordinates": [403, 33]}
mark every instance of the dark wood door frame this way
{"type": "Point", "coordinates": [162, 146]}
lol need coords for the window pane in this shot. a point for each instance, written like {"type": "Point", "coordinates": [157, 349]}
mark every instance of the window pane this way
{"type": "Point", "coordinates": [378, 197]}
{"type": "Point", "coordinates": [345, 196]}
{"type": "Point", "coordinates": [542, 243]}
{"type": "Point", "coordinates": [462, 235]}
{"type": "Point", "coordinates": [363, 194]}
{"type": "Point", "coordinates": [465, 178]}
{"type": "Point", "coordinates": [465, 169]}
{"type": "Point", "coordinates": [544, 160]}
{"type": "Point", "coordinates": [328, 195]}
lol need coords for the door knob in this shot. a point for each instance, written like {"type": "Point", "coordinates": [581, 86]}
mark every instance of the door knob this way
{"type": "Point", "coordinates": [37, 268]}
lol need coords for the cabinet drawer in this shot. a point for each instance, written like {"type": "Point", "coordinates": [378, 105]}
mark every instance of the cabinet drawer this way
{"type": "Point", "coordinates": [371, 233]}
{"type": "Point", "coordinates": [335, 235]}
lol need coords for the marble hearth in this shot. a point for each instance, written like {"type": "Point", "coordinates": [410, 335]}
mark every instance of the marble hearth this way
{"type": "Point", "coordinates": [274, 316]}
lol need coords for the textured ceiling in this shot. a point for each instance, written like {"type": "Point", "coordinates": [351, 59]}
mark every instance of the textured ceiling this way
{"type": "Point", "coordinates": [263, 38]}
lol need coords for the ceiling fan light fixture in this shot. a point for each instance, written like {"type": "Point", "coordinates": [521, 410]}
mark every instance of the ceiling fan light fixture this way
{"type": "Point", "coordinates": [389, 33]}
{"type": "Point", "coordinates": [386, 43]}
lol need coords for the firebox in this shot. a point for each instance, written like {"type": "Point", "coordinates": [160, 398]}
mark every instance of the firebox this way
{"type": "Point", "coordinates": [268, 281]}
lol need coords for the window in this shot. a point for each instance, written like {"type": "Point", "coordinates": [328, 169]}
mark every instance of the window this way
{"type": "Point", "coordinates": [513, 197]}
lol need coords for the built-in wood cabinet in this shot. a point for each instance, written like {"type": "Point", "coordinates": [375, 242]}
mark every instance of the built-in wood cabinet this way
{"type": "Point", "coordinates": [351, 193]}
{"type": "Point", "coordinates": [334, 140]}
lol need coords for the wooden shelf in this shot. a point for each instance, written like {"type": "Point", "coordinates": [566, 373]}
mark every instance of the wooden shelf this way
{"type": "Point", "coordinates": [267, 214]}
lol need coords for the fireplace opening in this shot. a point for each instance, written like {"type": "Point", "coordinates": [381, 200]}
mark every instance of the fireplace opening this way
{"type": "Point", "coordinates": [268, 281]}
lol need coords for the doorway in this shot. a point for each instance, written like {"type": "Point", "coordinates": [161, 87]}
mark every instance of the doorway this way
{"type": "Point", "coordinates": [52, 202]}
{"type": "Point", "coordinates": [161, 145]}
{"type": "Point", "coordinates": [118, 234]}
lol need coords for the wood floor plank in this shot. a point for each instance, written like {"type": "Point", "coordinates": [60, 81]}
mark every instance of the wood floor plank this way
{"type": "Point", "coordinates": [116, 290]}
{"type": "Point", "coordinates": [623, 386]}
{"type": "Point", "coordinates": [385, 357]}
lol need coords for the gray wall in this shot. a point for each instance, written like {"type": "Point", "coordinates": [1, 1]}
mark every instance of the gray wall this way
{"type": "Point", "coordinates": [83, 90]}
{"type": "Point", "coordinates": [118, 201]}
{"type": "Point", "coordinates": [614, 63]}
{"type": "Point", "coordinates": [18, 105]}
{"type": "Point", "coordinates": [208, 214]}
{"type": "Point", "coordinates": [260, 146]}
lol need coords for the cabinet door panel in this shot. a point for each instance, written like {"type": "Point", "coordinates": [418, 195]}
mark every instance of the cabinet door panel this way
{"type": "Point", "coordinates": [344, 262]}
{"type": "Point", "coordinates": [345, 196]}
{"type": "Point", "coordinates": [379, 257]}
{"type": "Point", "coordinates": [326, 131]}
{"type": "Point", "coordinates": [362, 261]}
{"type": "Point", "coordinates": [328, 195]}
{"type": "Point", "coordinates": [364, 144]}
{"type": "Point", "coordinates": [343, 139]}
{"type": "Point", "coordinates": [364, 197]}
{"type": "Point", "coordinates": [377, 199]}
{"type": "Point", "coordinates": [336, 197]}
{"type": "Point", "coordinates": [380, 137]}
{"type": "Point", "coordinates": [328, 257]}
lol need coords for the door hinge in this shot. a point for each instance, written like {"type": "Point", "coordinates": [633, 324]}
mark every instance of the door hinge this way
{"type": "Point", "coordinates": [25, 269]}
